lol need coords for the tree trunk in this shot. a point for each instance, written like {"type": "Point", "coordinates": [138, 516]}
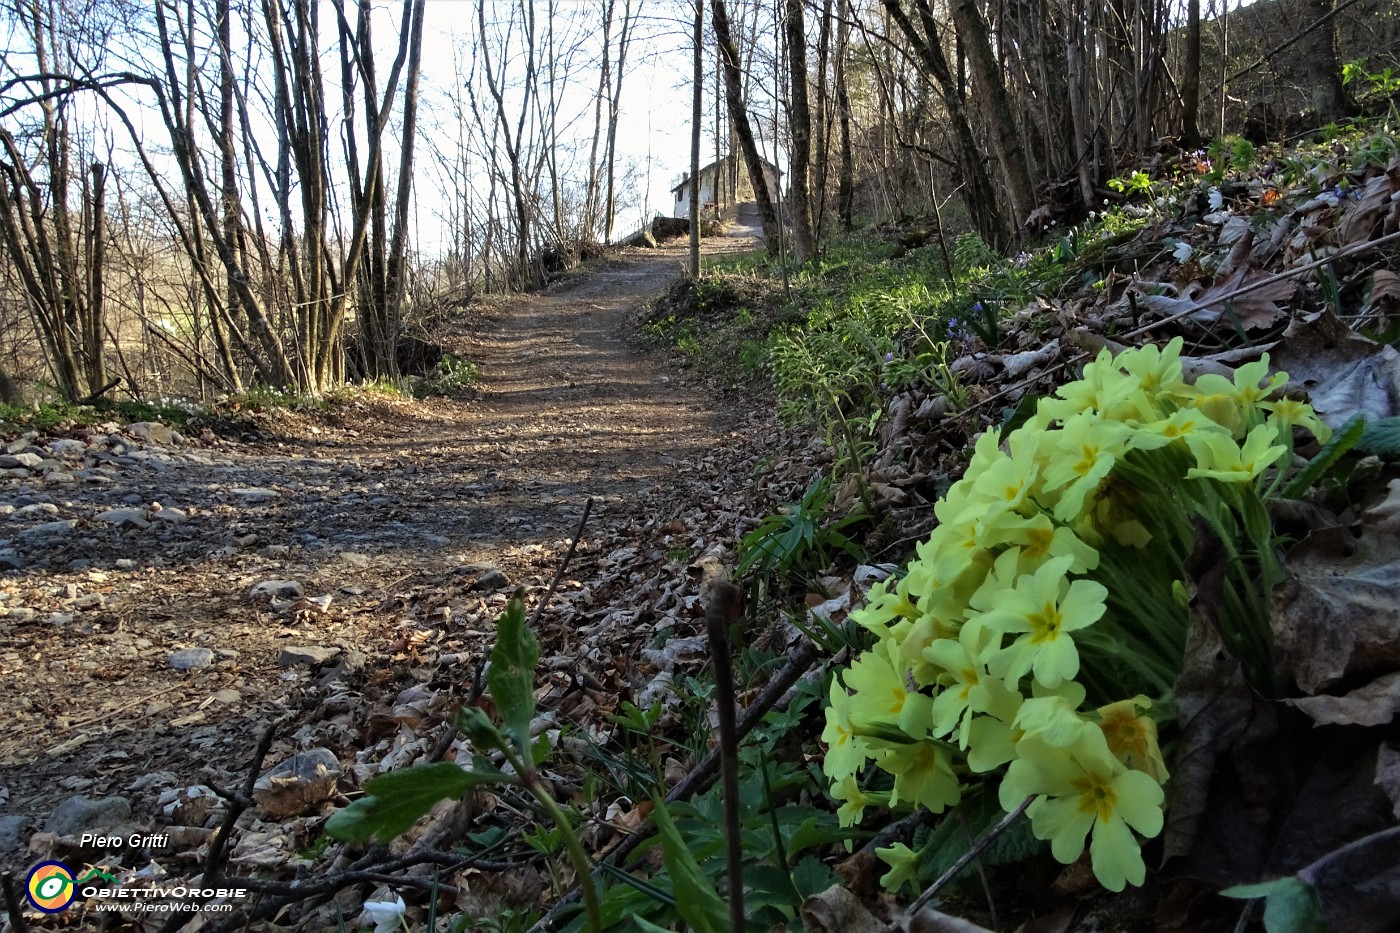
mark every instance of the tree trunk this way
{"type": "Point", "coordinates": [1005, 137]}
{"type": "Point", "coordinates": [398, 245]}
{"type": "Point", "coordinates": [739, 120]}
{"type": "Point", "coordinates": [800, 128]}
{"type": "Point", "coordinates": [1191, 81]}
{"type": "Point", "coordinates": [845, 185]}
{"type": "Point", "coordinates": [95, 318]}
{"type": "Point", "coordinates": [980, 194]}
{"type": "Point", "coordinates": [1319, 48]}
{"type": "Point", "coordinates": [696, 112]}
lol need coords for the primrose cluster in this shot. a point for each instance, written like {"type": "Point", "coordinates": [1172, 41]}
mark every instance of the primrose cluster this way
{"type": "Point", "coordinates": [1026, 636]}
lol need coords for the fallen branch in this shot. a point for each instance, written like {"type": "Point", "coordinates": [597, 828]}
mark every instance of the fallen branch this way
{"type": "Point", "coordinates": [17, 924]}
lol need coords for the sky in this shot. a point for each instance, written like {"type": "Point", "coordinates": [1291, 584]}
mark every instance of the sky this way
{"type": "Point", "coordinates": [654, 123]}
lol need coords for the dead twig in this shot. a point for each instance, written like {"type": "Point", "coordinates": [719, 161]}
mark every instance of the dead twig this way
{"type": "Point", "coordinates": [93, 720]}
{"type": "Point", "coordinates": [234, 807]}
{"type": "Point", "coordinates": [960, 864]}
{"type": "Point", "coordinates": [563, 564]}
{"type": "Point", "coordinates": [12, 906]}
{"type": "Point", "coordinates": [290, 892]}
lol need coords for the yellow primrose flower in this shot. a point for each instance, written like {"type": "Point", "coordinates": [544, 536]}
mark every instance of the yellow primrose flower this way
{"type": "Point", "coordinates": [846, 751]}
{"type": "Point", "coordinates": [1219, 457]}
{"type": "Point", "coordinates": [923, 774]}
{"type": "Point", "coordinates": [1040, 539]}
{"type": "Point", "coordinates": [1049, 715]}
{"type": "Point", "coordinates": [1084, 790]}
{"type": "Point", "coordinates": [880, 695]}
{"type": "Point", "coordinates": [1231, 401]}
{"type": "Point", "coordinates": [1157, 369]}
{"type": "Point", "coordinates": [1132, 738]}
{"type": "Point", "coordinates": [1086, 449]}
{"type": "Point", "coordinates": [885, 614]}
{"type": "Point", "coordinates": [1181, 424]}
{"type": "Point", "coordinates": [1045, 608]}
{"type": "Point", "coordinates": [854, 800]}
{"type": "Point", "coordinates": [1288, 412]}
{"type": "Point", "coordinates": [1001, 488]}
{"type": "Point", "coordinates": [1103, 389]}
{"type": "Point", "coordinates": [963, 691]}
{"type": "Point", "coordinates": [904, 866]}
{"type": "Point", "coordinates": [1003, 576]}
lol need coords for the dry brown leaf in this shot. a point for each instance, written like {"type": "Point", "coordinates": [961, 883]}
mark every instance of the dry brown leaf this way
{"type": "Point", "coordinates": [1385, 293]}
{"type": "Point", "coordinates": [1344, 373]}
{"type": "Point", "coordinates": [1373, 201]}
{"type": "Point", "coordinates": [1388, 774]}
{"type": "Point", "coordinates": [1253, 310]}
{"type": "Point", "coordinates": [1372, 705]}
{"type": "Point", "coordinates": [837, 910]}
{"type": "Point", "coordinates": [1337, 615]}
{"type": "Point", "coordinates": [1213, 707]}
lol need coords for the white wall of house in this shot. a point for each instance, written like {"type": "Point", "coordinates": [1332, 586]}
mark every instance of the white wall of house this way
{"type": "Point", "coordinates": [707, 194]}
{"type": "Point", "coordinates": [708, 177]}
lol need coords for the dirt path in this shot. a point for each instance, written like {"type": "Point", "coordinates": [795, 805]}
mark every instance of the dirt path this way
{"type": "Point", "coordinates": [373, 548]}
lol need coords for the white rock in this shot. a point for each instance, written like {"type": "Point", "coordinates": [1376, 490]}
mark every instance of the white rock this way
{"type": "Point", "coordinates": [135, 518]}
{"type": "Point", "coordinates": [277, 589]}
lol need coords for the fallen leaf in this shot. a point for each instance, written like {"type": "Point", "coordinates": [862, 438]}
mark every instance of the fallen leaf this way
{"type": "Point", "coordinates": [1254, 310]}
{"type": "Point", "coordinates": [1372, 705]}
{"type": "Point", "coordinates": [1388, 774]}
{"type": "Point", "coordinates": [1343, 373]}
{"type": "Point", "coordinates": [1337, 615]}
{"type": "Point", "coordinates": [1385, 293]}
{"type": "Point", "coordinates": [837, 910]}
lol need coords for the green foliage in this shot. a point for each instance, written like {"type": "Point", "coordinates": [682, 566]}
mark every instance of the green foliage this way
{"type": "Point", "coordinates": [1381, 437]}
{"type": "Point", "coordinates": [1291, 905]}
{"type": "Point", "coordinates": [397, 800]}
{"type": "Point", "coordinates": [1138, 183]}
{"type": "Point", "coordinates": [696, 899]}
{"type": "Point", "coordinates": [51, 415]}
{"type": "Point", "coordinates": [511, 674]}
{"type": "Point", "coordinates": [1341, 442]}
{"type": "Point", "coordinates": [453, 375]}
{"type": "Point", "coordinates": [801, 541]}
{"type": "Point", "coordinates": [1381, 83]}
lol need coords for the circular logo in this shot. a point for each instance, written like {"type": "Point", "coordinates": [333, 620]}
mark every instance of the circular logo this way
{"type": "Point", "coordinates": [50, 887]}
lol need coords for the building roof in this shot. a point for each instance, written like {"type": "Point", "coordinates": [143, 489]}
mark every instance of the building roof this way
{"type": "Point", "coordinates": [685, 179]}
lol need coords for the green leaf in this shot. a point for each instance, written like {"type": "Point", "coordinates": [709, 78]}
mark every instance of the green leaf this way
{"type": "Point", "coordinates": [1291, 904]}
{"type": "Point", "coordinates": [478, 727]}
{"type": "Point", "coordinates": [696, 899]}
{"type": "Point", "coordinates": [1341, 442]}
{"type": "Point", "coordinates": [646, 926]}
{"type": "Point", "coordinates": [395, 801]}
{"type": "Point", "coordinates": [1381, 437]}
{"type": "Point", "coordinates": [511, 676]}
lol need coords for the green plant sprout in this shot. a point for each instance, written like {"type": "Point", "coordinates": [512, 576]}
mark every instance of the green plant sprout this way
{"type": "Point", "coordinates": [398, 799]}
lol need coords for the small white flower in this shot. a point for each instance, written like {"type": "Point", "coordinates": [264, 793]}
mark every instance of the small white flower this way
{"type": "Point", "coordinates": [1183, 251]}
{"type": "Point", "coordinates": [1216, 199]}
{"type": "Point", "coordinates": [385, 914]}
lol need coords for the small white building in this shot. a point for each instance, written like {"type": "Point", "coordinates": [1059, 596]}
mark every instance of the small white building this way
{"type": "Point", "coordinates": [723, 183]}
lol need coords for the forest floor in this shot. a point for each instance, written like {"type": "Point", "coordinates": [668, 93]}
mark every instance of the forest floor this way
{"type": "Point", "coordinates": [334, 569]}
